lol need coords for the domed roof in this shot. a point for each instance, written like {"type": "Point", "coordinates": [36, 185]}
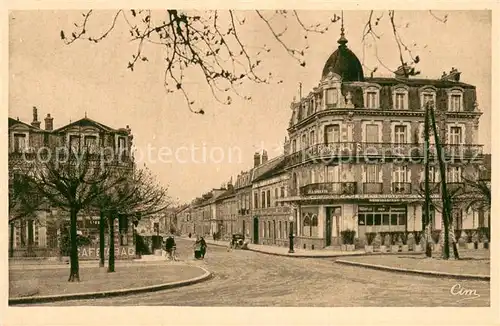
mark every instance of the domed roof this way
{"type": "Point", "coordinates": [344, 62]}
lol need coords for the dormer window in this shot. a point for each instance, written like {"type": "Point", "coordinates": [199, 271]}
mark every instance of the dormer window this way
{"type": "Point", "coordinates": [74, 143]}
{"type": "Point", "coordinates": [91, 143]}
{"type": "Point", "coordinates": [427, 95]}
{"type": "Point", "coordinates": [400, 97]}
{"type": "Point", "coordinates": [371, 97]}
{"type": "Point", "coordinates": [20, 142]}
{"type": "Point", "coordinates": [455, 99]}
{"type": "Point", "coordinates": [332, 96]}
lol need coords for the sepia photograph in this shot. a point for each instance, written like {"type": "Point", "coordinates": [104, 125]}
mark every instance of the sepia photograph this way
{"type": "Point", "coordinates": [249, 158]}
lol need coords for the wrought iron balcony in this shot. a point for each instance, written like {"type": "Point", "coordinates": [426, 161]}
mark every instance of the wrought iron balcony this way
{"type": "Point", "coordinates": [434, 187]}
{"type": "Point", "coordinates": [401, 188]}
{"type": "Point", "coordinates": [325, 152]}
{"type": "Point", "coordinates": [462, 151]}
{"type": "Point", "coordinates": [329, 188]}
{"type": "Point", "coordinates": [373, 188]}
{"type": "Point", "coordinates": [272, 210]}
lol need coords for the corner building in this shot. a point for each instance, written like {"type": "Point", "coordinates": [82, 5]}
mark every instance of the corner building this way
{"type": "Point", "coordinates": [355, 151]}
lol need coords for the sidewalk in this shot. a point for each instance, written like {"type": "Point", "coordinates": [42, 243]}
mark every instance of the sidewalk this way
{"type": "Point", "coordinates": [283, 251]}
{"type": "Point", "coordinates": [473, 264]}
{"type": "Point", "coordinates": [50, 283]}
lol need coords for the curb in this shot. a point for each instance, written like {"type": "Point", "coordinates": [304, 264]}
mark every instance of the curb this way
{"type": "Point", "coordinates": [332, 255]}
{"type": "Point", "coordinates": [112, 293]}
{"type": "Point", "coordinates": [415, 271]}
{"type": "Point", "coordinates": [209, 243]}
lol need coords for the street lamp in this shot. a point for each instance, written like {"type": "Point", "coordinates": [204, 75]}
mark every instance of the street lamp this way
{"type": "Point", "coordinates": [290, 250]}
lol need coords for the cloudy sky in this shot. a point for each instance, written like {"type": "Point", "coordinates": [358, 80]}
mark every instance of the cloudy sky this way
{"type": "Point", "coordinates": [69, 81]}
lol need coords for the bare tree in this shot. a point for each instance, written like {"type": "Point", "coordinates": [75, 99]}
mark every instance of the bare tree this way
{"type": "Point", "coordinates": [70, 180]}
{"type": "Point", "coordinates": [138, 194]}
{"type": "Point", "coordinates": [210, 42]}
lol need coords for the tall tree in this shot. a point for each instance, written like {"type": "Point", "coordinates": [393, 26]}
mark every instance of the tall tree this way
{"type": "Point", "coordinates": [69, 179]}
{"type": "Point", "coordinates": [137, 194]}
{"type": "Point", "coordinates": [212, 43]}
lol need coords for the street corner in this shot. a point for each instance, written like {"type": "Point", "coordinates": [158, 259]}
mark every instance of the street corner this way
{"type": "Point", "coordinates": [132, 279]}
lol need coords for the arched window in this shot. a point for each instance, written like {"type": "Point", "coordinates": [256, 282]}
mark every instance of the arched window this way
{"type": "Point", "coordinates": [314, 220]}
{"type": "Point", "coordinates": [307, 220]}
{"type": "Point", "coordinates": [306, 224]}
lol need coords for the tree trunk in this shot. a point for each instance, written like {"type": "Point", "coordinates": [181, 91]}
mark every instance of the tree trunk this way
{"type": "Point", "coordinates": [74, 275]}
{"type": "Point", "coordinates": [102, 221]}
{"type": "Point", "coordinates": [444, 195]}
{"type": "Point", "coordinates": [426, 220]}
{"type": "Point", "coordinates": [30, 252]}
{"type": "Point", "coordinates": [111, 228]}
{"type": "Point", "coordinates": [454, 240]}
{"type": "Point", "coordinates": [11, 240]}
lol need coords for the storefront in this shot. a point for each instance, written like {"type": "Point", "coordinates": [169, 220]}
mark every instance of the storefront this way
{"type": "Point", "coordinates": [382, 218]}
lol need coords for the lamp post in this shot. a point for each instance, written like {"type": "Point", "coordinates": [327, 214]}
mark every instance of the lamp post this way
{"type": "Point", "coordinates": [290, 250]}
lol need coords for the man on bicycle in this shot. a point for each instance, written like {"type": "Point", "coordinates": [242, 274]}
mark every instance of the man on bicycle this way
{"type": "Point", "coordinates": [170, 247]}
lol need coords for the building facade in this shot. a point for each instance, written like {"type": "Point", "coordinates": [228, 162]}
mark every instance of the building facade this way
{"type": "Point", "coordinates": [243, 189]}
{"type": "Point", "coordinates": [227, 204]}
{"type": "Point", "coordinates": [270, 218]}
{"type": "Point", "coordinates": [40, 233]}
{"type": "Point", "coordinates": [355, 151]}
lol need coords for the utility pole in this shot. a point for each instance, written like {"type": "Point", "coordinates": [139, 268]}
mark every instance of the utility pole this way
{"type": "Point", "coordinates": [426, 220]}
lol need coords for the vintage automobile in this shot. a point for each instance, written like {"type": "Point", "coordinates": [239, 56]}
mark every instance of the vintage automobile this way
{"type": "Point", "coordinates": [237, 241]}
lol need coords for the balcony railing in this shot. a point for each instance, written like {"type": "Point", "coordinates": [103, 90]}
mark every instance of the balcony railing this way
{"type": "Point", "coordinates": [352, 150]}
{"type": "Point", "coordinates": [373, 188]}
{"type": "Point", "coordinates": [434, 187]}
{"type": "Point", "coordinates": [329, 188]}
{"type": "Point", "coordinates": [272, 210]}
{"type": "Point", "coordinates": [401, 188]}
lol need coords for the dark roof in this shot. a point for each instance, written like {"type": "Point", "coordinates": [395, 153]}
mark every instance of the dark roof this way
{"type": "Point", "coordinates": [344, 63]}
{"type": "Point", "coordinates": [86, 122]}
{"type": "Point", "coordinates": [390, 81]}
{"type": "Point", "coordinates": [15, 121]}
{"type": "Point", "coordinates": [227, 194]}
{"type": "Point", "coordinates": [276, 169]}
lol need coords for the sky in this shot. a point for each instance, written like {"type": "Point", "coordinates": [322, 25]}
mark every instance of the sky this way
{"type": "Point", "coordinates": [85, 78]}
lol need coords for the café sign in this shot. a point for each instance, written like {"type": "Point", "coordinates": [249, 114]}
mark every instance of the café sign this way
{"type": "Point", "coordinates": [89, 252]}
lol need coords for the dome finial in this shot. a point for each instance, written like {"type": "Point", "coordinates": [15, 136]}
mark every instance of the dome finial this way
{"type": "Point", "coordinates": [342, 40]}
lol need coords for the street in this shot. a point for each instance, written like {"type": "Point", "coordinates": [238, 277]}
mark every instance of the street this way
{"type": "Point", "coordinates": [245, 278]}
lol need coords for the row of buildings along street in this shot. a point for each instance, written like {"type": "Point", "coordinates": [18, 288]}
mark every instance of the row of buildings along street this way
{"type": "Point", "coordinates": [354, 161]}
{"type": "Point", "coordinates": [351, 171]}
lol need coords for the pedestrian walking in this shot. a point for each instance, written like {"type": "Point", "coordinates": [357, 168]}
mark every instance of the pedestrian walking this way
{"type": "Point", "coordinates": [203, 247]}
{"type": "Point", "coordinates": [170, 247]}
{"type": "Point", "coordinates": [197, 248]}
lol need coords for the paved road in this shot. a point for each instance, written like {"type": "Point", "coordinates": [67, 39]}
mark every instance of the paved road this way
{"type": "Point", "coordinates": [245, 278]}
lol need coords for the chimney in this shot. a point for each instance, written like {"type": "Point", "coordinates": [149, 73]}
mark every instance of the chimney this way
{"type": "Point", "coordinates": [264, 156]}
{"type": "Point", "coordinates": [49, 123]}
{"type": "Point", "coordinates": [256, 160]}
{"type": "Point", "coordinates": [453, 75]}
{"type": "Point", "coordinates": [35, 122]}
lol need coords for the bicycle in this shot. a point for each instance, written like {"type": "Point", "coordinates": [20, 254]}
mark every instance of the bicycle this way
{"type": "Point", "coordinates": [172, 255]}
